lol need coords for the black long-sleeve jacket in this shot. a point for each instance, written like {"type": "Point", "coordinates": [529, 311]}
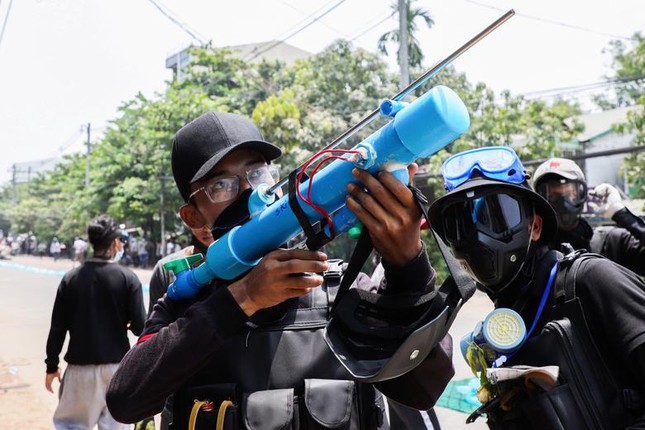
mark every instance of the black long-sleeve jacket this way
{"type": "Point", "coordinates": [97, 303]}
{"type": "Point", "coordinates": [210, 340]}
{"type": "Point", "coordinates": [623, 243]}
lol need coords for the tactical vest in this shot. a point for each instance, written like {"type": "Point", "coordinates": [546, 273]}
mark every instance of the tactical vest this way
{"type": "Point", "coordinates": [281, 375]}
{"type": "Point", "coordinates": [590, 394]}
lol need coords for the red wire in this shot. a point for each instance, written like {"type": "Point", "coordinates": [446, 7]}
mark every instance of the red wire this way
{"type": "Point", "coordinates": [307, 200]}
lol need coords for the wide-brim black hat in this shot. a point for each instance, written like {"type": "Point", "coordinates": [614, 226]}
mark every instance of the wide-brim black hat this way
{"type": "Point", "coordinates": [542, 207]}
{"type": "Point", "coordinates": [202, 143]}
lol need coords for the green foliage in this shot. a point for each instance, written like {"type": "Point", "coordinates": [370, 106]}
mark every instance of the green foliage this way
{"type": "Point", "coordinates": [629, 66]}
{"type": "Point", "coordinates": [302, 107]}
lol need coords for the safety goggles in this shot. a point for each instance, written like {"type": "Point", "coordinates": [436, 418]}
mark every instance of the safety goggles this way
{"type": "Point", "coordinates": [495, 213]}
{"type": "Point", "coordinates": [571, 189]}
{"type": "Point", "coordinates": [224, 188]}
{"type": "Point", "coordinates": [493, 162]}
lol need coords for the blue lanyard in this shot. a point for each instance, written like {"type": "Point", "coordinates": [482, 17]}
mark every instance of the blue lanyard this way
{"type": "Point", "coordinates": [545, 295]}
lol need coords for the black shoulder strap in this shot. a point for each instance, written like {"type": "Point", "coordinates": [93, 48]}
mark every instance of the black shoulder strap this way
{"type": "Point", "coordinates": [315, 239]}
{"type": "Point", "coordinates": [567, 276]}
{"type": "Point", "coordinates": [568, 305]}
{"type": "Point", "coordinates": [361, 252]}
{"type": "Point", "coordinates": [363, 249]}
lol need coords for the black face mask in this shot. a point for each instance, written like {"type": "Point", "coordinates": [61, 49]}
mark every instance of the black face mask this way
{"type": "Point", "coordinates": [236, 214]}
{"type": "Point", "coordinates": [567, 212]}
{"type": "Point", "coordinates": [489, 234]}
{"type": "Point", "coordinates": [198, 246]}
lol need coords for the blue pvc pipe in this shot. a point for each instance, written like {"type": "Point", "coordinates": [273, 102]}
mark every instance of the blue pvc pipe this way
{"type": "Point", "coordinates": [418, 130]}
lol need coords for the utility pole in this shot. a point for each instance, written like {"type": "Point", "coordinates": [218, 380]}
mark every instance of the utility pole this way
{"type": "Point", "coordinates": [13, 183]}
{"type": "Point", "coordinates": [404, 62]}
{"type": "Point", "coordinates": [162, 218]}
{"type": "Point", "coordinates": [162, 203]}
{"type": "Point", "coordinates": [88, 128]}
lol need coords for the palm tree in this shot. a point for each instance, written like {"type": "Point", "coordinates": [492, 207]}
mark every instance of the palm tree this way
{"type": "Point", "coordinates": [415, 54]}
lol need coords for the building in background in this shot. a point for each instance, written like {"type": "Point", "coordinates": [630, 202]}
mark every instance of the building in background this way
{"type": "Point", "coordinates": [600, 137]}
{"type": "Point", "coordinates": [273, 50]}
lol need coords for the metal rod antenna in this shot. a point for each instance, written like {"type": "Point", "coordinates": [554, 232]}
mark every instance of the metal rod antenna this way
{"type": "Point", "coordinates": [452, 57]}
{"type": "Point", "coordinates": [407, 90]}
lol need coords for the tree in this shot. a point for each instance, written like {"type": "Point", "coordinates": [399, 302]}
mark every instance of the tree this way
{"type": "Point", "coordinates": [629, 66]}
{"type": "Point", "coordinates": [302, 107]}
{"type": "Point", "coordinates": [414, 14]}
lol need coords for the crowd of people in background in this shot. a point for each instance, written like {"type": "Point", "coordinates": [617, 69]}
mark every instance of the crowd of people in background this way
{"type": "Point", "coordinates": [140, 251]}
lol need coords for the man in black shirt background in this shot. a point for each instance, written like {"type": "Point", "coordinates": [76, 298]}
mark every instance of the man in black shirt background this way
{"type": "Point", "coordinates": [97, 303]}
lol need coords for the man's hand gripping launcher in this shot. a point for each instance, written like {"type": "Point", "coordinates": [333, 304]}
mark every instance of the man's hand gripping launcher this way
{"type": "Point", "coordinates": [418, 130]}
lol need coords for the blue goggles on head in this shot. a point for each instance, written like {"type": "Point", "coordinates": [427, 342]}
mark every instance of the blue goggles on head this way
{"type": "Point", "coordinates": [499, 163]}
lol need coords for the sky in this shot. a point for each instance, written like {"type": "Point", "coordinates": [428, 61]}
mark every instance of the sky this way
{"type": "Point", "coordinates": [68, 63]}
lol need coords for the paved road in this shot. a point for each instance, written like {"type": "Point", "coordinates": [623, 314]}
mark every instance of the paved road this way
{"type": "Point", "coordinates": [27, 290]}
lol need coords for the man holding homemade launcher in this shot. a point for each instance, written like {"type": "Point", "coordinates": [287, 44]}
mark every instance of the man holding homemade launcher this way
{"type": "Point", "coordinates": [249, 339]}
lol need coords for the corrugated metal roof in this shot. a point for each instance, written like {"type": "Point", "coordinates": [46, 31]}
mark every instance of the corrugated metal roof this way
{"type": "Point", "coordinates": [597, 124]}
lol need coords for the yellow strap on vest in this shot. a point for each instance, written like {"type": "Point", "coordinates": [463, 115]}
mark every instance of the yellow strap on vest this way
{"type": "Point", "coordinates": [221, 414]}
{"type": "Point", "coordinates": [194, 411]}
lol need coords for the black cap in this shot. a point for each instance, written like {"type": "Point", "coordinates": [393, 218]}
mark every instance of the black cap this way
{"type": "Point", "coordinates": [203, 142]}
{"type": "Point", "coordinates": [542, 207]}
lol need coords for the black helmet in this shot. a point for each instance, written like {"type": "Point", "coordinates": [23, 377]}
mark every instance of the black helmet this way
{"type": "Point", "coordinates": [485, 220]}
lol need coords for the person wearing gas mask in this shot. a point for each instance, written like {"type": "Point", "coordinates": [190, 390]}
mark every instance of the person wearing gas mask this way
{"type": "Point", "coordinates": [499, 229]}
{"type": "Point", "coordinates": [561, 182]}
{"type": "Point", "coordinates": [97, 303]}
{"type": "Point", "coordinates": [256, 352]}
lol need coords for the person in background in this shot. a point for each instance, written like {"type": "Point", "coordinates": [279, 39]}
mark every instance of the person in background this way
{"type": "Point", "coordinates": [80, 250]}
{"type": "Point", "coordinates": [142, 246]}
{"type": "Point", "coordinates": [97, 303]}
{"type": "Point", "coordinates": [55, 249]}
{"type": "Point", "coordinates": [561, 182]}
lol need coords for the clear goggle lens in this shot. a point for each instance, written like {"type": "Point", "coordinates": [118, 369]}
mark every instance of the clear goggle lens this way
{"type": "Point", "coordinates": [494, 214]}
{"type": "Point", "coordinates": [571, 189]}
{"type": "Point", "coordinates": [494, 162]}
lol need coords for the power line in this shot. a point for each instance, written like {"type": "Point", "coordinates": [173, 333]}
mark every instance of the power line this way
{"type": "Point", "coordinates": [307, 16]}
{"type": "Point", "coordinates": [349, 37]}
{"type": "Point", "coordinates": [372, 27]}
{"type": "Point", "coordinates": [250, 56]}
{"type": "Point", "coordinates": [562, 24]}
{"type": "Point", "coordinates": [69, 142]}
{"type": "Point", "coordinates": [6, 18]}
{"type": "Point", "coordinates": [271, 44]}
{"type": "Point", "coordinates": [277, 42]}
{"type": "Point", "coordinates": [169, 14]}
{"type": "Point", "coordinates": [580, 88]}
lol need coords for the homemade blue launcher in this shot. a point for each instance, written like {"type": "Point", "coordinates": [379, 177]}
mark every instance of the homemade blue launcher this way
{"type": "Point", "coordinates": [418, 130]}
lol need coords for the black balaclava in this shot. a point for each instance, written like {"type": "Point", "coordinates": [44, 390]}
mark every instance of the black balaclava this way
{"type": "Point", "coordinates": [197, 245]}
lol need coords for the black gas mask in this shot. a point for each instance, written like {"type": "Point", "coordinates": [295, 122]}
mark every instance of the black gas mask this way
{"type": "Point", "coordinates": [235, 214]}
{"type": "Point", "coordinates": [567, 212]}
{"type": "Point", "coordinates": [566, 196]}
{"type": "Point", "coordinates": [489, 232]}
